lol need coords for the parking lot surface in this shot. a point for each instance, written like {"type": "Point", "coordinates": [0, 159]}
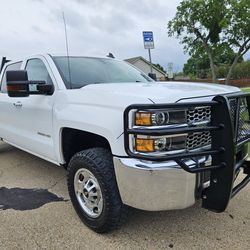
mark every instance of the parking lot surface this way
{"type": "Point", "coordinates": [35, 213]}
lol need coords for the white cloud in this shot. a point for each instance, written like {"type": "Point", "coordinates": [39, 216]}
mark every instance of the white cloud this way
{"type": "Point", "coordinates": [94, 27]}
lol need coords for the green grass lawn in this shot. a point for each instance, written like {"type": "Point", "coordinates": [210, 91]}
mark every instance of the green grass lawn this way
{"type": "Point", "coordinates": [245, 89]}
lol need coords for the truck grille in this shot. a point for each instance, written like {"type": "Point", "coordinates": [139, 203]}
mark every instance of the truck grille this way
{"type": "Point", "coordinates": [197, 140]}
{"type": "Point", "coordinates": [198, 115]}
{"type": "Point", "coordinates": [195, 116]}
{"type": "Point", "coordinates": [240, 120]}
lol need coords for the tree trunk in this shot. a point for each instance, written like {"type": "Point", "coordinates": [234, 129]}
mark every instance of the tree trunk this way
{"type": "Point", "coordinates": [212, 65]}
{"type": "Point", "coordinates": [242, 50]}
{"type": "Point", "coordinates": [231, 69]}
{"type": "Point", "coordinates": [209, 53]}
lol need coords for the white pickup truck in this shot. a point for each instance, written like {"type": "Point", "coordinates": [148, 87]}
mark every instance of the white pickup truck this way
{"type": "Point", "coordinates": [126, 140]}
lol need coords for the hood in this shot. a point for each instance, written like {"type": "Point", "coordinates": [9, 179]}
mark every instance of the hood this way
{"type": "Point", "coordinates": [158, 92]}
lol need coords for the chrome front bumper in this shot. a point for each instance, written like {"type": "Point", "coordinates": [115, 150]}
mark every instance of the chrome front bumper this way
{"type": "Point", "coordinates": [155, 186]}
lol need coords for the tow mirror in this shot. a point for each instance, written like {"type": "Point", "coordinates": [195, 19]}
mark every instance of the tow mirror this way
{"type": "Point", "coordinates": [18, 85]}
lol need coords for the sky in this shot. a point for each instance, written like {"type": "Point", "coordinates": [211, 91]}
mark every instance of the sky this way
{"type": "Point", "coordinates": [95, 28]}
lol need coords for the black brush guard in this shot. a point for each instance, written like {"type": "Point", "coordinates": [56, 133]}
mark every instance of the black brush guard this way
{"type": "Point", "coordinates": [229, 133]}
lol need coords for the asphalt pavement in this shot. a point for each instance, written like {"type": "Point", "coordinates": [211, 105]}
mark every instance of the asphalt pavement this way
{"type": "Point", "coordinates": [35, 213]}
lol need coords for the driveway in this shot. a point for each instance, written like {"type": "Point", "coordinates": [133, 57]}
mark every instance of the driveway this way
{"type": "Point", "coordinates": [36, 214]}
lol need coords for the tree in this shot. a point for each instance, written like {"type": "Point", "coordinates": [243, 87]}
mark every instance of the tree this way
{"type": "Point", "coordinates": [198, 63]}
{"type": "Point", "coordinates": [160, 67]}
{"type": "Point", "coordinates": [238, 32]}
{"type": "Point", "coordinates": [210, 24]}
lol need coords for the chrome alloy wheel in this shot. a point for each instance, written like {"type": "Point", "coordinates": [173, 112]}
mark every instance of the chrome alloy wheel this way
{"type": "Point", "coordinates": [88, 193]}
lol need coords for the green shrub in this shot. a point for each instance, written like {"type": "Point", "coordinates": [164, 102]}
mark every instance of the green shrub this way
{"type": "Point", "coordinates": [222, 71]}
{"type": "Point", "coordinates": [241, 70]}
{"type": "Point", "coordinates": [192, 76]}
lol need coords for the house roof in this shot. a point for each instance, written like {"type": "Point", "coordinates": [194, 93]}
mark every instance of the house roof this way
{"type": "Point", "coordinates": [137, 58]}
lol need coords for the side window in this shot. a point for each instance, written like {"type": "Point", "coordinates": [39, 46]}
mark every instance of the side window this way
{"type": "Point", "coordinates": [37, 71]}
{"type": "Point", "coordinates": [14, 66]}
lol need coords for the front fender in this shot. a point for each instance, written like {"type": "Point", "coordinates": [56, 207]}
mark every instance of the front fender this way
{"type": "Point", "coordinates": [104, 121]}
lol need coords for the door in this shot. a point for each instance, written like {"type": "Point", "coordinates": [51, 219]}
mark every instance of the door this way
{"type": "Point", "coordinates": [7, 107]}
{"type": "Point", "coordinates": [32, 118]}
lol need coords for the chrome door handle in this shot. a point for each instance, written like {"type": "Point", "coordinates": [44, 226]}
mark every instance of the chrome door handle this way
{"type": "Point", "coordinates": [18, 104]}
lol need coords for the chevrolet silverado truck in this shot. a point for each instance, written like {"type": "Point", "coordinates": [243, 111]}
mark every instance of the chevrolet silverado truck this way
{"type": "Point", "coordinates": [126, 140]}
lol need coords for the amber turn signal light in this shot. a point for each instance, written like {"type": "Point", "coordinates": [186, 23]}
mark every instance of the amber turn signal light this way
{"type": "Point", "coordinates": [142, 118]}
{"type": "Point", "coordinates": [144, 145]}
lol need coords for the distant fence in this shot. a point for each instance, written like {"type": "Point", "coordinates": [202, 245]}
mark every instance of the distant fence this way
{"type": "Point", "coordinates": [244, 82]}
{"type": "Point", "coordinates": [241, 83]}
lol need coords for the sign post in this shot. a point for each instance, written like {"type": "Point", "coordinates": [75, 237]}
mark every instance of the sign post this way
{"type": "Point", "coordinates": [148, 40]}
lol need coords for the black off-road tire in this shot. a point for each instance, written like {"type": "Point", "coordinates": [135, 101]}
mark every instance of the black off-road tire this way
{"type": "Point", "coordinates": [99, 162]}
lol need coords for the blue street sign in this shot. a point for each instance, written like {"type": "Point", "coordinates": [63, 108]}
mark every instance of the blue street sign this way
{"type": "Point", "coordinates": [148, 39]}
{"type": "Point", "coordinates": [148, 36]}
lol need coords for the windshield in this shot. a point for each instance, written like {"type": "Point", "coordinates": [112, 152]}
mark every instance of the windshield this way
{"type": "Point", "coordinates": [89, 70]}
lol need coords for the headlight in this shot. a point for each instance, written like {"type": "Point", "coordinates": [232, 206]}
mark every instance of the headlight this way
{"type": "Point", "coordinates": [149, 144]}
{"type": "Point", "coordinates": [148, 126]}
{"type": "Point", "coordinates": [160, 118]}
{"type": "Point", "coordinates": [160, 144]}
